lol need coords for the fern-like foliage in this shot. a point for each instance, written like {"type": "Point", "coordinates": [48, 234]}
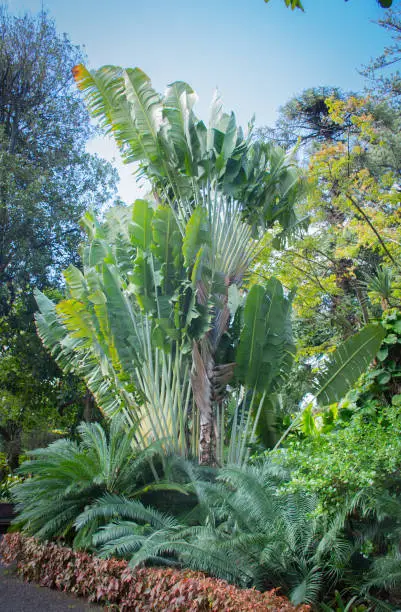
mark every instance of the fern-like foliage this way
{"type": "Point", "coordinates": [376, 522]}
{"type": "Point", "coordinates": [68, 476]}
{"type": "Point", "coordinates": [251, 534]}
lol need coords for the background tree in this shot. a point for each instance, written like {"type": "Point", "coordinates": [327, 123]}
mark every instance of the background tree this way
{"type": "Point", "coordinates": [305, 120]}
{"type": "Point", "coordinates": [346, 268]}
{"type": "Point", "coordinates": [47, 181]}
{"type": "Point", "coordinates": [353, 207]}
{"type": "Point", "coordinates": [385, 82]}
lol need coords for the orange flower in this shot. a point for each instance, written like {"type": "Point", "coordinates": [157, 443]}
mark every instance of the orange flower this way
{"type": "Point", "coordinates": [78, 72]}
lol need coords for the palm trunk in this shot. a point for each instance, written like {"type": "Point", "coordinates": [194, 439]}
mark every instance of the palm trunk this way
{"type": "Point", "coordinates": [209, 383]}
{"type": "Point", "coordinates": [201, 379]}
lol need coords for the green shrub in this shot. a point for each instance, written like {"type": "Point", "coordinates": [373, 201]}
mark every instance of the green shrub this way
{"type": "Point", "coordinates": [7, 486]}
{"type": "Point", "coordinates": [336, 465]}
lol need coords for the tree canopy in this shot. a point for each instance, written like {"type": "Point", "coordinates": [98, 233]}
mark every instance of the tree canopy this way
{"type": "Point", "coordinates": [47, 181]}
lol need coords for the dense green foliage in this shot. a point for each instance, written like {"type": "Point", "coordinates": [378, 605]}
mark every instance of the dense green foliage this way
{"type": "Point", "coordinates": [354, 444]}
{"type": "Point", "coordinates": [68, 476]}
{"type": "Point", "coordinates": [47, 181]}
{"type": "Point", "coordinates": [192, 359]}
{"type": "Point", "coordinates": [337, 464]}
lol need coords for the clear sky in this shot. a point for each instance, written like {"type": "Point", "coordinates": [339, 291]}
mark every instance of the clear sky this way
{"type": "Point", "coordinates": [257, 54]}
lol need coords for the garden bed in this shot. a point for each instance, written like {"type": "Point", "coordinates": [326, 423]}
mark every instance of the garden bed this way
{"type": "Point", "coordinates": [111, 582]}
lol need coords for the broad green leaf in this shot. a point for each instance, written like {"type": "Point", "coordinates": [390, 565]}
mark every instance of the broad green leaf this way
{"type": "Point", "coordinates": [267, 427]}
{"type": "Point", "coordinates": [230, 138]}
{"type": "Point", "coordinates": [167, 247]}
{"type": "Point", "coordinates": [101, 89]}
{"type": "Point", "coordinates": [146, 108]}
{"type": "Point", "coordinates": [178, 102]}
{"type": "Point", "coordinates": [266, 349]}
{"type": "Point", "coordinates": [76, 282]}
{"type": "Point", "coordinates": [347, 364]}
{"type": "Point", "coordinates": [141, 225]}
{"type": "Point", "coordinates": [143, 283]}
{"type": "Point", "coordinates": [196, 235]}
{"type": "Point", "coordinates": [250, 352]}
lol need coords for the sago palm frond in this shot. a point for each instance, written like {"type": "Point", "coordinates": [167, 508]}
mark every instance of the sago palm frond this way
{"type": "Point", "coordinates": [66, 477]}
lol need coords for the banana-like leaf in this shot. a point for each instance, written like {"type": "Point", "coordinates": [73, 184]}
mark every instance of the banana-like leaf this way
{"type": "Point", "coordinates": [70, 356]}
{"type": "Point", "coordinates": [146, 110]}
{"type": "Point", "coordinates": [143, 286]}
{"type": "Point", "coordinates": [266, 349]}
{"type": "Point", "coordinates": [167, 247]}
{"type": "Point", "coordinates": [178, 103]}
{"type": "Point", "coordinates": [266, 427]}
{"type": "Point", "coordinates": [76, 282]}
{"type": "Point", "coordinates": [141, 226]}
{"type": "Point", "coordinates": [250, 351]}
{"type": "Point", "coordinates": [102, 91]}
{"type": "Point", "coordinates": [348, 362]}
{"type": "Point", "coordinates": [196, 235]}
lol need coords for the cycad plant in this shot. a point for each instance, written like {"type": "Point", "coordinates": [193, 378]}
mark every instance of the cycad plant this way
{"type": "Point", "coordinates": [375, 525]}
{"type": "Point", "coordinates": [276, 538]}
{"type": "Point", "coordinates": [251, 534]}
{"type": "Point", "coordinates": [68, 476]}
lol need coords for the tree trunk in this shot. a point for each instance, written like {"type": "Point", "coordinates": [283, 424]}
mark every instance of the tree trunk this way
{"type": "Point", "coordinates": [209, 383]}
{"type": "Point", "coordinates": [201, 377]}
{"type": "Point", "coordinates": [89, 412]}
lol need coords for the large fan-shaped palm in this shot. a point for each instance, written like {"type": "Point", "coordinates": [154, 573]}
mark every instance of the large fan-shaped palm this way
{"type": "Point", "coordinates": [222, 191]}
{"type": "Point", "coordinates": [155, 323]}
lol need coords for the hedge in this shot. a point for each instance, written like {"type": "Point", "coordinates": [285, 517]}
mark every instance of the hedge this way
{"type": "Point", "coordinates": [111, 582]}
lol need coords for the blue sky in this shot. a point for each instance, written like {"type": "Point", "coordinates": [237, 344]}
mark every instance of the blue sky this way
{"type": "Point", "coordinates": [258, 55]}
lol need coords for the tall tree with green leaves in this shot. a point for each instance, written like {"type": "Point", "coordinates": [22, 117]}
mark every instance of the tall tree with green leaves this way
{"type": "Point", "coordinates": [353, 207]}
{"type": "Point", "coordinates": [47, 181]}
{"type": "Point", "coordinates": [304, 121]}
{"type": "Point", "coordinates": [384, 78]}
{"type": "Point", "coordinates": [222, 191]}
{"type": "Point", "coordinates": [157, 323]}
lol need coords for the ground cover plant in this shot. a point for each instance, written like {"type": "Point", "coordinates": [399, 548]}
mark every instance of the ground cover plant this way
{"type": "Point", "coordinates": [111, 582]}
